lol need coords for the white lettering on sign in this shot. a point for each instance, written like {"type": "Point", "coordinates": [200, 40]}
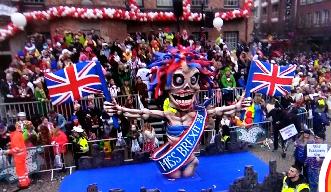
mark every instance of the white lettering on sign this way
{"type": "Point", "coordinates": [6, 10]}
{"type": "Point", "coordinates": [317, 150]}
{"type": "Point", "coordinates": [288, 132]}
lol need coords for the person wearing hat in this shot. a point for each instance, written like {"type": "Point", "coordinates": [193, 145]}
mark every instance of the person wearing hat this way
{"type": "Point", "coordinates": [80, 144]}
{"type": "Point", "coordinates": [313, 164]}
{"type": "Point", "coordinates": [19, 153]}
{"type": "Point", "coordinates": [169, 37]}
{"type": "Point", "coordinates": [300, 154]}
{"type": "Point", "coordinates": [22, 122]}
{"type": "Point", "coordinates": [294, 181]}
{"type": "Point", "coordinates": [68, 39]}
{"type": "Point", "coordinates": [320, 117]}
{"type": "Point", "coordinates": [39, 92]}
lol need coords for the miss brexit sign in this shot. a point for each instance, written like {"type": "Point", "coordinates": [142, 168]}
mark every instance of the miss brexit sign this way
{"type": "Point", "coordinates": [171, 159]}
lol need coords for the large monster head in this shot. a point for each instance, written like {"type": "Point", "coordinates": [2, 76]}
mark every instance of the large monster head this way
{"type": "Point", "coordinates": [179, 73]}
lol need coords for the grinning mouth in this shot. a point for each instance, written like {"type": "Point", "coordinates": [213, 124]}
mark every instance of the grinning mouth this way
{"type": "Point", "coordinates": [183, 99]}
{"type": "Point", "coordinates": [182, 96]}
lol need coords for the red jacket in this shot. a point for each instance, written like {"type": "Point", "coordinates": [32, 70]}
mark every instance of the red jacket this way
{"type": "Point", "coordinates": [61, 139]}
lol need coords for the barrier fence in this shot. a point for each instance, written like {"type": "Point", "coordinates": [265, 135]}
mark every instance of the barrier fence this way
{"type": "Point", "coordinates": [35, 109]}
{"type": "Point", "coordinates": [41, 158]}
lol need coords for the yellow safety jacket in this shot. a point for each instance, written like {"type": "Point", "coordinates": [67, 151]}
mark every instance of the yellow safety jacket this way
{"type": "Point", "coordinates": [82, 142]}
{"type": "Point", "coordinates": [298, 188]}
{"type": "Point", "coordinates": [169, 37]}
{"type": "Point", "coordinates": [225, 138]}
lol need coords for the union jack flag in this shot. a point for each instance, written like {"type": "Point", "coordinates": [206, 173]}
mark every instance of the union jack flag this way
{"type": "Point", "coordinates": [269, 79]}
{"type": "Point", "coordinates": [74, 82]}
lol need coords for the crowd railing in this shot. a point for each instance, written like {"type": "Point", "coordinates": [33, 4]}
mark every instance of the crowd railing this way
{"type": "Point", "coordinates": [255, 134]}
{"type": "Point", "coordinates": [36, 109]}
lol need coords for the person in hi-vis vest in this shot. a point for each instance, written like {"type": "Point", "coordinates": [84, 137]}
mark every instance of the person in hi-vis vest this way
{"type": "Point", "coordinates": [19, 153]}
{"type": "Point", "coordinates": [294, 181]}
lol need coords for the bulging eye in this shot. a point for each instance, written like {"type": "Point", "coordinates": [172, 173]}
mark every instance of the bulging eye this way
{"type": "Point", "coordinates": [178, 79]}
{"type": "Point", "coordinates": [195, 79]}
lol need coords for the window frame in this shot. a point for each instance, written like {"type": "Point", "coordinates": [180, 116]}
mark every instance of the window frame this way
{"type": "Point", "coordinates": [196, 3]}
{"type": "Point", "coordinates": [232, 43]}
{"type": "Point", "coordinates": [34, 1]}
{"type": "Point", "coordinates": [227, 4]}
{"type": "Point", "coordinates": [158, 4]}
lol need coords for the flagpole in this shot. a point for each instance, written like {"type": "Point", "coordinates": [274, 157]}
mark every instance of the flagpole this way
{"type": "Point", "coordinates": [249, 79]}
{"type": "Point", "coordinates": [105, 90]}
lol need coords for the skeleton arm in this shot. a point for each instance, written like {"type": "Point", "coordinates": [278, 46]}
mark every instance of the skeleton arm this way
{"type": "Point", "coordinates": [112, 108]}
{"type": "Point", "coordinates": [228, 109]}
{"type": "Point", "coordinates": [224, 110]}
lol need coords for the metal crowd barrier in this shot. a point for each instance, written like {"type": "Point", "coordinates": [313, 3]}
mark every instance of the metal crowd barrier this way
{"type": "Point", "coordinates": [39, 159]}
{"type": "Point", "coordinates": [255, 134]}
{"type": "Point", "coordinates": [219, 94]}
{"type": "Point", "coordinates": [35, 109]}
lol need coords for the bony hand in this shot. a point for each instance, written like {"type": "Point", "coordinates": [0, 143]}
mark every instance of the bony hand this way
{"type": "Point", "coordinates": [112, 107]}
{"type": "Point", "coordinates": [246, 102]}
{"type": "Point", "coordinates": [243, 102]}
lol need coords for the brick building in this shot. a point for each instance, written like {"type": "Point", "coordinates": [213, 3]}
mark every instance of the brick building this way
{"type": "Point", "coordinates": [303, 23]}
{"type": "Point", "coordinates": [313, 24]}
{"type": "Point", "coordinates": [274, 17]}
{"type": "Point", "coordinates": [233, 31]}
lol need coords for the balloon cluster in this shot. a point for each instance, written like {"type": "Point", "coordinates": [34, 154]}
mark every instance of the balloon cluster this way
{"type": "Point", "coordinates": [237, 13]}
{"type": "Point", "coordinates": [134, 14]}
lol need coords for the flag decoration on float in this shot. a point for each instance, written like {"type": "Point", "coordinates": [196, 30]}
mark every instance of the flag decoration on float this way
{"type": "Point", "coordinates": [74, 82]}
{"type": "Point", "coordinates": [269, 79]}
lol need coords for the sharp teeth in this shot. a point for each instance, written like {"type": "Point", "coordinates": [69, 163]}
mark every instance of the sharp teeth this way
{"type": "Point", "coordinates": [182, 95]}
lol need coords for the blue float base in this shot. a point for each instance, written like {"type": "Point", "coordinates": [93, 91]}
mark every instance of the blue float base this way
{"type": "Point", "coordinates": [216, 172]}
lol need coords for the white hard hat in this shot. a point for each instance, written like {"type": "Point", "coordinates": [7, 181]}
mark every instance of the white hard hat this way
{"type": "Point", "coordinates": [21, 114]}
{"type": "Point", "coordinates": [78, 129]}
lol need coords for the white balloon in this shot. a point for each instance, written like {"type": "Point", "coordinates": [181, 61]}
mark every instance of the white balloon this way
{"type": "Point", "coordinates": [218, 22]}
{"type": "Point", "coordinates": [19, 20]}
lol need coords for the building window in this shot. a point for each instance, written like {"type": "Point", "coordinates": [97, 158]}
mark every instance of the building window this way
{"type": "Point", "coordinates": [231, 39]}
{"type": "Point", "coordinates": [317, 18]}
{"type": "Point", "coordinates": [302, 22]}
{"type": "Point", "coordinates": [164, 3]}
{"type": "Point", "coordinates": [309, 19]}
{"type": "Point", "coordinates": [303, 2]}
{"type": "Point", "coordinates": [231, 3]}
{"type": "Point", "coordinates": [310, 1]}
{"type": "Point", "coordinates": [199, 3]}
{"type": "Point", "coordinates": [325, 17]}
{"type": "Point", "coordinates": [275, 10]}
{"type": "Point", "coordinates": [264, 11]}
{"type": "Point", "coordinates": [33, 1]}
{"type": "Point", "coordinates": [139, 3]}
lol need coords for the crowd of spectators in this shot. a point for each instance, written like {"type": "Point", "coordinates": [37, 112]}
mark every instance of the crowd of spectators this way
{"type": "Point", "coordinates": [126, 66]}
